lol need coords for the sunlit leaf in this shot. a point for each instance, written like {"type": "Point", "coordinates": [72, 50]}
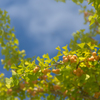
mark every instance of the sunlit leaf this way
{"type": "Point", "coordinates": [87, 77]}
{"type": "Point", "coordinates": [81, 45]}
{"type": "Point", "coordinates": [46, 56]}
{"type": "Point", "coordinates": [58, 48]}
{"type": "Point", "coordinates": [59, 53]}
{"type": "Point", "coordinates": [16, 41]}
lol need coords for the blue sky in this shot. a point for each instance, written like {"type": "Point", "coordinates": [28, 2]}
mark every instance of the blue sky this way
{"type": "Point", "coordinates": [42, 25]}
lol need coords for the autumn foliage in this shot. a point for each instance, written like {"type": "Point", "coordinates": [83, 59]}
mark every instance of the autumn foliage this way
{"type": "Point", "coordinates": [72, 74]}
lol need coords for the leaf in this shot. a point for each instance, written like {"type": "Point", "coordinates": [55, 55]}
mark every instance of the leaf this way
{"type": "Point", "coordinates": [65, 53]}
{"type": "Point", "coordinates": [48, 60]}
{"type": "Point", "coordinates": [13, 66]}
{"type": "Point", "coordinates": [81, 45]}
{"type": "Point", "coordinates": [8, 98]}
{"type": "Point", "coordinates": [16, 41]}
{"type": "Point", "coordinates": [90, 18]}
{"type": "Point", "coordinates": [92, 21]}
{"type": "Point", "coordinates": [38, 58]}
{"type": "Point", "coordinates": [65, 47]}
{"type": "Point", "coordinates": [16, 99]}
{"type": "Point", "coordinates": [31, 77]}
{"type": "Point", "coordinates": [14, 73]}
{"type": "Point", "coordinates": [5, 12]}
{"type": "Point", "coordinates": [1, 75]}
{"type": "Point", "coordinates": [23, 51]}
{"type": "Point", "coordinates": [3, 51]}
{"type": "Point", "coordinates": [89, 44]}
{"type": "Point", "coordinates": [7, 26]}
{"type": "Point", "coordinates": [56, 58]}
{"type": "Point", "coordinates": [81, 1]}
{"type": "Point", "coordinates": [58, 48]}
{"type": "Point", "coordinates": [1, 11]}
{"type": "Point", "coordinates": [49, 75]}
{"type": "Point", "coordinates": [82, 64]}
{"type": "Point", "coordinates": [8, 82]}
{"type": "Point", "coordinates": [81, 58]}
{"type": "Point", "coordinates": [87, 77]}
{"type": "Point", "coordinates": [46, 56]}
{"type": "Point", "coordinates": [59, 53]}
{"type": "Point", "coordinates": [26, 63]}
{"type": "Point", "coordinates": [13, 35]}
{"type": "Point", "coordinates": [12, 29]}
{"type": "Point", "coordinates": [61, 0]}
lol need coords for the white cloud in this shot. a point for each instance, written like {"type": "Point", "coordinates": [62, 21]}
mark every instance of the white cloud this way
{"type": "Point", "coordinates": [42, 19]}
{"type": "Point", "coordinates": [42, 16]}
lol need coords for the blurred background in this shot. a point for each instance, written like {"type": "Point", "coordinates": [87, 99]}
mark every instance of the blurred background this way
{"type": "Point", "coordinates": [42, 25]}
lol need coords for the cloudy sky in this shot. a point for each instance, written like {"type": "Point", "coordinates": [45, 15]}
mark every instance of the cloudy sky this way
{"type": "Point", "coordinates": [42, 25]}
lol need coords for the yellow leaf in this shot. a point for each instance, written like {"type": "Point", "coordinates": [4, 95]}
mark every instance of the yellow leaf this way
{"type": "Point", "coordinates": [26, 63]}
{"type": "Point", "coordinates": [90, 18]}
{"type": "Point", "coordinates": [1, 75]}
{"type": "Point", "coordinates": [16, 41]}
{"type": "Point", "coordinates": [59, 53]}
{"type": "Point", "coordinates": [46, 56]}
{"type": "Point", "coordinates": [58, 48]}
{"type": "Point", "coordinates": [65, 53]}
{"type": "Point", "coordinates": [0, 84]}
{"type": "Point", "coordinates": [16, 99]}
{"type": "Point", "coordinates": [65, 48]}
{"type": "Point", "coordinates": [92, 4]}
{"type": "Point", "coordinates": [87, 77]}
{"type": "Point", "coordinates": [81, 45]}
{"type": "Point", "coordinates": [8, 85]}
{"type": "Point", "coordinates": [92, 21]}
{"type": "Point", "coordinates": [49, 75]}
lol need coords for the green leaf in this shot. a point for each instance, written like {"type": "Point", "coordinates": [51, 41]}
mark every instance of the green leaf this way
{"type": "Point", "coordinates": [1, 11]}
{"type": "Point", "coordinates": [5, 12]}
{"type": "Point", "coordinates": [32, 77]}
{"type": "Point", "coordinates": [59, 77]}
{"type": "Point", "coordinates": [3, 51]}
{"type": "Point", "coordinates": [61, 0]}
{"type": "Point", "coordinates": [58, 48]}
{"type": "Point", "coordinates": [81, 1]}
{"type": "Point", "coordinates": [7, 26]}
{"type": "Point", "coordinates": [12, 29]}
{"type": "Point", "coordinates": [8, 98]}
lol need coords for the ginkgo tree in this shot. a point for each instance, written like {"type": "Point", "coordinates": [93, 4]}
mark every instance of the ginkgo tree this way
{"type": "Point", "coordinates": [74, 77]}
